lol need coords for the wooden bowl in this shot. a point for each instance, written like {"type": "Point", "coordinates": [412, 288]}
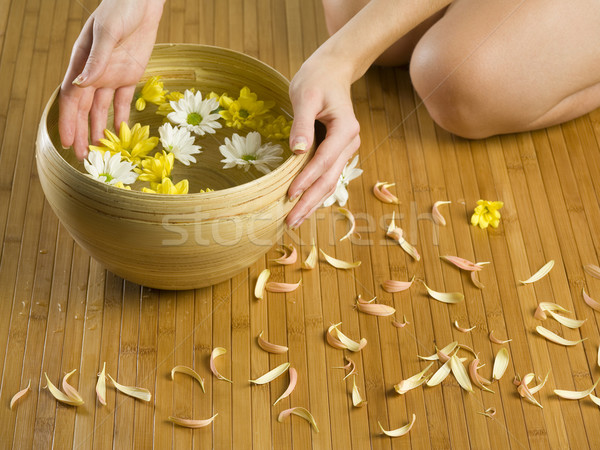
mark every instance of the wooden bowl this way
{"type": "Point", "coordinates": [178, 241]}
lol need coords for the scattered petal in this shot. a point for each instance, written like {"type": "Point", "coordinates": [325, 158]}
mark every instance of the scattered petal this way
{"type": "Point", "coordinates": [463, 330]}
{"type": "Point", "coordinates": [261, 282]}
{"type": "Point", "coordinates": [380, 190]}
{"type": "Point", "coordinates": [397, 235]}
{"type": "Point", "coordinates": [592, 270]}
{"type": "Point", "coordinates": [477, 379]}
{"type": "Point", "coordinates": [576, 395]}
{"type": "Point", "coordinates": [271, 374]}
{"type": "Point", "coordinates": [345, 341]}
{"type": "Point", "coordinates": [412, 382]}
{"type": "Point", "coordinates": [591, 302]}
{"type": "Point", "coordinates": [526, 392]}
{"type": "Point", "coordinates": [348, 215]}
{"type": "Point", "coordinates": [540, 273]}
{"type": "Point", "coordinates": [440, 374]}
{"type": "Point", "coordinates": [291, 386]}
{"type": "Point", "coordinates": [437, 215]}
{"type": "Point", "coordinates": [540, 312]}
{"type": "Point", "coordinates": [556, 338]}
{"type": "Point", "coordinates": [392, 286]}
{"type": "Point", "coordinates": [338, 263]}
{"type": "Point", "coordinates": [475, 280]}
{"type": "Point", "coordinates": [595, 399]}
{"type": "Point", "coordinates": [460, 373]}
{"type": "Point", "coordinates": [464, 264]}
{"type": "Point", "coordinates": [445, 297]}
{"type": "Point", "coordinates": [495, 340]}
{"type": "Point", "coordinates": [191, 423]}
{"type": "Point", "coordinates": [500, 363]}
{"type": "Point", "coordinates": [60, 396]}
{"type": "Point", "coordinates": [19, 395]}
{"type": "Point", "coordinates": [290, 255]}
{"type": "Point", "coordinates": [446, 351]}
{"type": "Point", "coordinates": [132, 391]}
{"type": "Point", "coordinates": [566, 321]}
{"type": "Point", "coordinates": [217, 351]}
{"type": "Point", "coordinates": [357, 400]}
{"type": "Point", "coordinates": [300, 412]}
{"type": "Point", "coordinates": [374, 309]}
{"type": "Point", "coordinates": [529, 378]}
{"type": "Point", "coordinates": [188, 371]}
{"type": "Point", "coordinates": [351, 365]}
{"type": "Point", "coordinates": [271, 348]}
{"type": "Point", "coordinates": [399, 431]}
{"type": "Point", "coordinates": [101, 386]}
{"type": "Point", "coordinates": [273, 286]}
{"type": "Point", "coordinates": [70, 390]}
{"type": "Point", "coordinates": [400, 324]}
{"type": "Point", "coordinates": [490, 412]}
{"type": "Point", "coordinates": [311, 260]}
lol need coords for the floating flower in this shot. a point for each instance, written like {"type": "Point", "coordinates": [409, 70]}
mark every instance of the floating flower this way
{"type": "Point", "coordinates": [133, 144]}
{"type": "Point", "coordinates": [278, 128]}
{"type": "Point", "coordinates": [349, 173]}
{"type": "Point", "coordinates": [152, 92]}
{"type": "Point", "coordinates": [486, 213]}
{"type": "Point", "coordinates": [222, 99]}
{"type": "Point", "coordinates": [158, 168]}
{"type": "Point", "coordinates": [165, 108]}
{"type": "Point", "coordinates": [109, 169]}
{"type": "Point", "coordinates": [246, 152]}
{"type": "Point", "coordinates": [120, 184]}
{"type": "Point", "coordinates": [246, 111]}
{"type": "Point", "coordinates": [195, 114]}
{"type": "Point", "coordinates": [179, 142]}
{"type": "Point", "coordinates": [167, 187]}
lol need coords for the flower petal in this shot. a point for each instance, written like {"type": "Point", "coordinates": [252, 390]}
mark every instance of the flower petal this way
{"type": "Point", "coordinates": [381, 192]}
{"type": "Point", "coordinates": [591, 302]}
{"type": "Point", "coordinates": [357, 400]}
{"type": "Point", "coordinates": [60, 396]}
{"type": "Point", "coordinates": [291, 386]}
{"type": "Point", "coordinates": [440, 374]}
{"type": "Point", "coordinates": [500, 363]}
{"type": "Point", "coordinates": [300, 412]}
{"type": "Point", "coordinates": [495, 340]}
{"type": "Point", "coordinates": [460, 373]}
{"type": "Point", "coordinates": [287, 258]}
{"type": "Point", "coordinates": [556, 338]}
{"type": "Point", "coordinates": [392, 286]}
{"type": "Point", "coordinates": [340, 340]}
{"type": "Point", "coordinates": [188, 371]}
{"type": "Point", "coordinates": [375, 309]}
{"type": "Point", "coordinates": [311, 260]}
{"type": "Point", "coordinates": [566, 321]}
{"type": "Point", "coordinates": [261, 282]}
{"type": "Point", "coordinates": [19, 395]}
{"type": "Point", "coordinates": [400, 324]}
{"type": "Point", "coordinates": [576, 395]}
{"type": "Point", "coordinates": [445, 297]}
{"type": "Point", "coordinates": [437, 215]}
{"type": "Point", "coordinates": [348, 215]}
{"type": "Point", "coordinates": [540, 273]}
{"type": "Point", "coordinates": [217, 351]}
{"type": "Point", "coordinates": [412, 382]}
{"type": "Point", "coordinates": [271, 348]}
{"type": "Point", "coordinates": [191, 423]}
{"type": "Point", "coordinates": [271, 374]}
{"type": "Point", "coordinates": [592, 270]}
{"type": "Point", "coordinates": [462, 263]}
{"type": "Point", "coordinates": [273, 286]}
{"type": "Point", "coordinates": [399, 431]}
{"type": "Point", "coordinates": [70, 390]}
{"type": "Point", "coordinates": [475, 280]}
{"type": "Point", "coordinates": [463, 330]}
{"type": "Point", "coordinates": [132, 391]}
{"type": "Point", "coordinates": [101, 386]}
{"type": "Point", "coordinates": [446, 350]}
{"type": "Point", "coordinates": [338, 263]}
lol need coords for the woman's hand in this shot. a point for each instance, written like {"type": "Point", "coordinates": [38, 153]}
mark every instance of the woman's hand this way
{"type": "Point", "coordinates": [108, 59]}
{"type": "Point", "coordinates": [320, 91]}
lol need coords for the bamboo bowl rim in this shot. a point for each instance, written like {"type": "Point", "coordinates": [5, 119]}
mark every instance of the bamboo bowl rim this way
{"type": "Point", "coordinates": [290, 165]}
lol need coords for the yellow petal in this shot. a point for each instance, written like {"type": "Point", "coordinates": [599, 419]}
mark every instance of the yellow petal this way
{"type": "Point", "coordinates": [576, 395]}
{"type": "Point", "coordinates": [351, 345]}
{"type": "Point", "coordinates": [445, 297]}
{"type": "Point", "coordinates": [556, 338]}
{"type": "Point", "coordinates": [60, 396]}
{"type": "Point", "coordinates": [540, 273]}
{"type": "Point", "coordinates": [460, 373]}
{"type": "Point", "coordinates": [439, 375]}
{"type": "Point", "coordinates": [566, 321]}
{"type": "Point", "coordinates": [446, 351]}
{"type": "Point", "coordinates": [412, 382]}
{"type": "Point", "coordinates": [495, 340]}
{"type": "Point", "coordinates": [357, 400]}
{"type": "Point", "coordinates": [399, 431]}
{"type": "Point", "coordinates": [190, 372]}
{"type": "Point", "coordinates": [500, 363]}
{"type": "Point", "coordinates": [132, 391]}
{"type": "Point", "coordinates": [217, 351]}
{"type": "Point", "coordinates": [338, 263]}
{"type": "Point", "coordinates": [19, 395]}
{"type": "Point", "coordinates": [261, 282]}
{"type": "Point", "coordinates": [101, 386]}
{"type": "Point", "coordinates": [191, 423]}
{"type": "Point", "coordinates": [311, 259]}
{"type": "Point", "coordinates": [271, 374]}
{"type": "Point", "coordinates": [140, 104]}
{"type": "Point", "coordinates": [595, 399]}
{"type": "Point", "coordinates": [291, 386]}
{"type": "Point", "coordinates": [300, 412]}
{"type": "Point", "coordinates": [271, 348]}
{"type": "Point", "coordinates": [70, 390]}
{"type": "Point", "coordinates": [348, 215]}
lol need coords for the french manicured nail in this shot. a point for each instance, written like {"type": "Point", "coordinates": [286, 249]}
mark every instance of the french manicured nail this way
{"type": "Point", "coordinates": [299, 145]}
{"type": "Point", "coordinates": [295, 196]}
{"type": "Point", "coordinates": [80, 79]}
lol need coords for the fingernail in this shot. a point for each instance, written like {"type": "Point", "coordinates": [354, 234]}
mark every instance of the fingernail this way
{"type": "Point", "coordinates": [80, 79]}
{"type": "Point", "coordinates": [64, 148]}
{"type": "Point", "coordinates": [295, 196]}
{"type": "Point", "coordinates": [299, 145]}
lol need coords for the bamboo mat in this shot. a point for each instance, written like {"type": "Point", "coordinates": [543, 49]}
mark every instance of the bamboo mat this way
{"type": "Point", "coordinates": [60, 310]}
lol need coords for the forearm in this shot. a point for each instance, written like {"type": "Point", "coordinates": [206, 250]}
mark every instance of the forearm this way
{"type": "Point", "coordinates": [372, 31]}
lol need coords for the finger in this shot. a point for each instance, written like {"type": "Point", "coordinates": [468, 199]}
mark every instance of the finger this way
{"type": "Point", "coordinates": [68, 102]}
{"type": "Point", "coordinates": [80, 144]}
{"type": "Point", "coordinates": [122, 105]}
{"type": "Point", "coordinates": [102, 45]}
{"type": "Point", "coordinates": [98, 114]}
{"type": "Point", "coordinates": [306, 108]}
{"type": "Point", "coordinates": [339, 136]}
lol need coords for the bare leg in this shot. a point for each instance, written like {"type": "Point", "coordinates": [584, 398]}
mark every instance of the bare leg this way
{"type": "Point", "coordinates": [490, 67]}
{"type": "Point", "coordinates": [338, 12]}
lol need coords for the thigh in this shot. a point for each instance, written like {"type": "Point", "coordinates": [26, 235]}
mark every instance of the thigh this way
{"type": "Point", "coordinates": [537, 61]}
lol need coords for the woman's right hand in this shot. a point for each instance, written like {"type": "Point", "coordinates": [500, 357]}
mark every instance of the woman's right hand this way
{"type": "Point", "coordinates": [108, 59]}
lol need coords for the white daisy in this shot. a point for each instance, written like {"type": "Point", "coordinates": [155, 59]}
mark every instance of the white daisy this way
{"type": "Point", "coordinates": [349, 173]}
{"type": "Point", "coordinates": [109, 168]}
{"type": "Point", "coordinates": [180, 142]}
{"type": "Point", "coordinates": [245, 152]}
{"type": "Point", "coordinates": [195, 114]}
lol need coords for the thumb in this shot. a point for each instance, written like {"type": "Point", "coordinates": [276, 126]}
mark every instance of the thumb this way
{"type": "Point", "coordinates": [103, 44]}
{"type": "Point", "coordinates": [302, 132]}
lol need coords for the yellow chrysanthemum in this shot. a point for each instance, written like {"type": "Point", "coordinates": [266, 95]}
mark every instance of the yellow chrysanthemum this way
{"type": "Point", "coordinates": [278, 129]}
{"type": "Point", "coordinates": [223, 99]}
{"type": "Point", "coordinates": [165, 108]}
{"type": "Point", "coordinates": [486, 213]}
{"type": "Point", "coordinates": [152, 92]}
{"type": "Point", "coordinates": [133, 144]}
{"type": "Point", "coordinates": [120, 184]}
{"type": "Point", "coordinates": [156, 169]}
{"type": "Point", "coordinates": [203, 191]}
{"type": "Point", "coordinates": [167, 187]}
{"type": "Point", "coordinates": [246, 111]}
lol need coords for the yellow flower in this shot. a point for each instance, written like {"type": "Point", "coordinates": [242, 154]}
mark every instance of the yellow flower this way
{"type": "Point", "coordinates": [156, 169]}
{"type": "Point", "coordinates": [486, 213]}
{"type": "Point", "coordinates": [153, 92]}
{"type": "Point", "coordinates": [203, 191]}
{"type": "Point", "coordinates": [278, 128]}
{"type": "Point", "coordinates": [167, 187]}
{"type": "Point", "coordinates": [165, 108]}
{"type": "Point", "coordinates": [246, 111]}
{"type": "Point", "coordinates": [223, 99]}
{"type": "Point", "coordinates": [120, 184]}
{"type": "Point", "coordinates": [133, 144]}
